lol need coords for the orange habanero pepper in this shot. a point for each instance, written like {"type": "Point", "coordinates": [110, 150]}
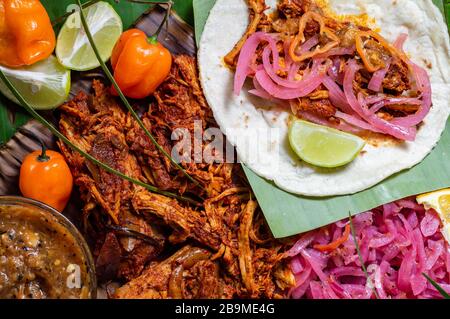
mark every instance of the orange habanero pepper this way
{"type": "Point", "coordinates": [46, 177]}
{"type": "Point", "coordinates": [140, 64]}
{"type": "Point", "coordinates": [26, 33]}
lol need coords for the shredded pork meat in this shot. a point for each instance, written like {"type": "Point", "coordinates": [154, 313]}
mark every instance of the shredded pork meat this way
{"type": "Point", "coordinates": [225, 249]}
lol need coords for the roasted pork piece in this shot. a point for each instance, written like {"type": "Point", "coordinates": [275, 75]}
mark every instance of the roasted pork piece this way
{"type": "Point", "coordinates": [258, 21]}
{"type": "Point", "coordinates": [188, 273]}
{"type": "Point", "coordinates": [225, 247]}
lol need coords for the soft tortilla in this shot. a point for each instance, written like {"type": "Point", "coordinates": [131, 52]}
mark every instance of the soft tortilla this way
{"type": "Point", "coordinates": [266, 151]}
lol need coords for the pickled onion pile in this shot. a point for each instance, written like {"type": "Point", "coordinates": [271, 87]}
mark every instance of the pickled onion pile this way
{"type": "Point", "coordinates": [398, 243]}
{"type": "Point", "coordinates": [356, 110]}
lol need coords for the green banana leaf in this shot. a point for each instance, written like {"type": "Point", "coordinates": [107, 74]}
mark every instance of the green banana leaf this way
{"type": "Point", "coordinates": [289, 214]}
{"type": "Point", "coordinates": [12, 117]}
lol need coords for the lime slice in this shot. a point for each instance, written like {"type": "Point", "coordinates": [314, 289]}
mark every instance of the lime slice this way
{"type": "Point", "coordinates": [73, 49]}
{"type": "Point", "coordinates": [44, 85]}
{"type": "Point", "coordinates": [323, 146]}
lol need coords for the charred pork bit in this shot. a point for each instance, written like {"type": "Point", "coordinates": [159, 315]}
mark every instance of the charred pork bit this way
{"type": "Point", "coordinates": [268, 262]}
{"type": "Point", "coordinates": [320, 107]}
{"type": "Point", "coordinates": [404, 108]}
{"type": "Point", "coordinates": [294, 8]}
{"type": "Point", "coordinates": [105, 140]}
{"type": "Point", "coordinates": [188, 273]}
{"type": "Point", "coordinates": [165, 208]}
{"type": "Point", "coordinates": [108, 260]}
{"type": "Point", "coordinates": [290, 14]}
{"type": "Point", "coordinates": [245, 256]}
{"type": "Point", "coordinates": [397, 79]}
{"type": "Point", "coordinates": [154, 282]}
{"type": "Point", "coordinates": [201, 281]}
{"type": "Point", "coordinates": [286, 26]}
{"type": "Point", "coordinates": [147, 153]}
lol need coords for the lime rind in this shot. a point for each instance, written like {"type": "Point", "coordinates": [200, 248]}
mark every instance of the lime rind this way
{"type": "Point", "coordinates": [323, 146]}
{"type": "Point", "coordinates": [73, 49]}
{"type": "Point", "coordinates": [44, 85]}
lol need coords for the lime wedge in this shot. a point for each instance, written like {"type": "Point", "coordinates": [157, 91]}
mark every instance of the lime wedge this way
{"type": "Point", "coordinates": [73, 49]}
{"type": "Point", "coordinates": [44, 85]}
{"type": "Point", "coordinates": [323, 146]}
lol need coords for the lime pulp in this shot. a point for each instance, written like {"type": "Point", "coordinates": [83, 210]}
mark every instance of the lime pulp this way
{"type": "Point", "coordinates": [323, 146]}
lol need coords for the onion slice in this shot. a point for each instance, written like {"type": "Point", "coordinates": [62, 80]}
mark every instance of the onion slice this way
{"type": "Point", "coordinates": [400, 41]}
{"type": "Point", "coordinates": [308, 45]}
{"type": "Point", "coordinates": [376, 82]}
{"type": "Point", "coordinates": [424, 85]}
{"type": "Point", "coordinates": [270, 70]}
{"type": "Point", "coordinates": [337, 51]}
{"type": "Point", "coordinates": [322, 121]}
{"type": "Point", "coordinates": [303, 87]}
{"type": "Point", "coordinates": [400, 132]}
{"type": "Point", "coordinates": [246, 56]}
{"type": "Point", "coordinates": [337, 97]}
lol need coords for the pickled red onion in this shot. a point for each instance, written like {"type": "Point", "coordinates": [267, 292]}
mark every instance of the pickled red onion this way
{"type": "Point", "coordinates": [246, 56]}
{"type": "Point", "coordinates": [400, 132]}
{"type": "Point", "coordinates": [424, 86]}
{"type": "Point", "coordinates": [376, 81]}
{"type": "Point", "coordinates": [337, 97]}
{"type": "Point", "coordinates": [303, 87]}
{"type": "Point", "coordinates": [337, 51]}
{"type": "Point", "coordinates": [395, 266]}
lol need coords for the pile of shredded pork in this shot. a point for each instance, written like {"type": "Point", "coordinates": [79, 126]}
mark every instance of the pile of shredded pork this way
{"type": "Point", "coordinates": [398, 244]}
{"type": "Point", "coordinates": [157, 246]}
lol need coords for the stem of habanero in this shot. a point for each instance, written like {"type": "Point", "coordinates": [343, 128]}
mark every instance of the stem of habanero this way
{"type": "Point", "coordinates": [165, 20]}
{"type": "Point", "coordinates": [89, 157]}
{"type": "Point", "coordinates": [169, 5]}
{"type": "Point", "coordinates": [43, 157]}
{"type": "Point", "coordinates": [125, 101]}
